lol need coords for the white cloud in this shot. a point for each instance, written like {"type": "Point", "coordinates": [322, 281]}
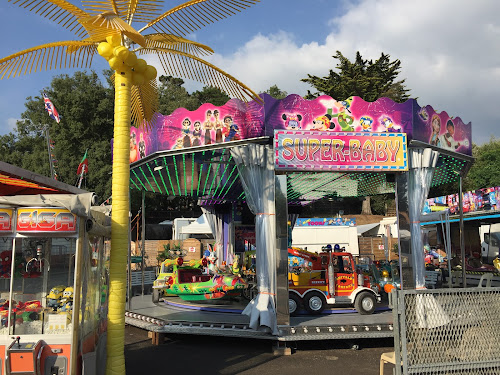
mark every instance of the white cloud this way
{"type": "Point", "coordinates": [448, 49]}
{"type": "Point", "coordinates": [9, 125]}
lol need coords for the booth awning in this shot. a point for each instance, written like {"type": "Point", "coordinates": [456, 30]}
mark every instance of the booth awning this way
{"type": "Point", "coordinates": [365, 228]}
{"type": "Point", "coordinates": [19, 181]}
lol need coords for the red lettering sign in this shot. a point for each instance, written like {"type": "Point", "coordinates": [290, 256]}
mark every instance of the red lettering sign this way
{"type": "Point", "coordinates": [5, 220]}
{"type": "Point", "coordinates": [45, 220]}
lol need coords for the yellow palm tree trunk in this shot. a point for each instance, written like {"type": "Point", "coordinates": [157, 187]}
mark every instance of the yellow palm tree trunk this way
{"type": "Point", "coordinates": [119, 224]}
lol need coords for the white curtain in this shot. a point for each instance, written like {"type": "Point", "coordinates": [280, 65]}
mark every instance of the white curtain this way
{"type": "Point", "coordinates": [422, 164]}
{"type": "Point", "coordinates": [256, 169]}
{"type": "Point", "coordinates": [214, 220]}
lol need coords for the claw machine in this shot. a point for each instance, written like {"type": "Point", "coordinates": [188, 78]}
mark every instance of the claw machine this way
{"type": "Point", "coordinates": [53, 291]}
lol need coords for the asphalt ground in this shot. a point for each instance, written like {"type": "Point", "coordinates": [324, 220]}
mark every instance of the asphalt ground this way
{"type": "Point", "coordinates": [207, 355]}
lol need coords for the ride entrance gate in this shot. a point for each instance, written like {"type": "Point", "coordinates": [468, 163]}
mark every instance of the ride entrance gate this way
{"type": "Point", "coordinates": [266, 162]}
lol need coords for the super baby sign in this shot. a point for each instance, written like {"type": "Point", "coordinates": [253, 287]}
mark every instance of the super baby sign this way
{"type": "Point", "coordinates": [322, 151]}
{"type": "Point", "coordinates": [45, 220]}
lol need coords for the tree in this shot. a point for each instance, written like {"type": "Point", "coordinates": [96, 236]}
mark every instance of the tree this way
{"type": "Point", "coordinates": [484, 172]}
{"type": "Point", "coordinates": [86, 110]}
{"type": "Point", "coordinates": [106, 27]}
{"type": "Point", "coordinates": [172, 95]}
{"type": "Point", "coordinates": [276, 92]}
{"type": "Point", "coordinates": [367, 79]}
{"type": "Point", "coordinates": [212, 95]}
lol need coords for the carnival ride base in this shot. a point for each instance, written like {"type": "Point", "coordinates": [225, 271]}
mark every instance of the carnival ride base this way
{"type": "Point", "coordinates": [225, 318]}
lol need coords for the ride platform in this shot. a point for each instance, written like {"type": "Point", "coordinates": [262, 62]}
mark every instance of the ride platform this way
{"type": "Point", "coordinates": [224, 318]}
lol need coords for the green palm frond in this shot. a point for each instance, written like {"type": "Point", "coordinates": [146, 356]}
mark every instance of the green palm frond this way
{"type": "Point", "coordinates": [145, 104]}
{"type": "Point", "coordinates": [105, 24]}
{"type": "Point", "coordinates": [177, 43]}
{"type": "Point", "coordinates": [193, 15]}
{"type": "Point", "coordinates": [60, 11]}
{"type": "Point", "coordinates": [68, 54]}
{"type": "Point", "coordinates": [180, 64]}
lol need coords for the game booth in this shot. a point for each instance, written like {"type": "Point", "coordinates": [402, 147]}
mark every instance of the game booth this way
{"type": "Point", "coordinates": [276, 158]}
{"type": "Point", "coordinates": [54, 251]}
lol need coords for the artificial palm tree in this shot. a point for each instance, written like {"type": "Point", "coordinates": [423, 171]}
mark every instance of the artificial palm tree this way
{"type": "Point", "coordinates": [106, 27]}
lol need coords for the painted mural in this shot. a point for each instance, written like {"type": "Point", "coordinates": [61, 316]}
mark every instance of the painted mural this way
{"type": "Point", "coordinates": [237, 120]}
{"type": "Point", "coordinates": [325, 222]}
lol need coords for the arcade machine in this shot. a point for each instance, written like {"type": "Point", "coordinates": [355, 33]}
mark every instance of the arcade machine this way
{"type": "Point", "coordinates": [53, 291]}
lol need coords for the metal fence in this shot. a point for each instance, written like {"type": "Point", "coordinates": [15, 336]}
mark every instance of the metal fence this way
{"type": "Point", "coordinates": [447, 331]}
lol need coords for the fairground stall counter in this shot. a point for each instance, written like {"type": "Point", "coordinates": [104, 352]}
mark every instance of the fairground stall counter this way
{"type": "Point", "coordinates": [53, 284]}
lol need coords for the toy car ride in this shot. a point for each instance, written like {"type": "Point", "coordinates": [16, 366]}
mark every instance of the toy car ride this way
{"type": "Point", "coordinates": [316, 280]}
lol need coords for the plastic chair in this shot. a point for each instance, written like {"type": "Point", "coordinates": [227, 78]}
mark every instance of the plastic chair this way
{"type": "Point", "coordinates": [487, 277]}
{"type": "Point", "coordinates": [389, 357]}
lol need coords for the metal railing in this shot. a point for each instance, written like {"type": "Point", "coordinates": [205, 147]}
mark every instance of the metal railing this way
{"type": "Point", "coordinates": [447, 331]}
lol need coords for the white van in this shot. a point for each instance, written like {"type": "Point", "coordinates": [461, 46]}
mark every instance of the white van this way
{"type": "Point", "coordinates": [490, 242]}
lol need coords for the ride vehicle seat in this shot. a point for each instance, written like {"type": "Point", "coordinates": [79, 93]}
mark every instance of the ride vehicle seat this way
{"type": "Point", "coordinates": [192, 276]}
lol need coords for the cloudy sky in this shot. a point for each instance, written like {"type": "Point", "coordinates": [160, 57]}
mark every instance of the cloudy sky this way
{"type": "Point", "coordinates": [449, 49]}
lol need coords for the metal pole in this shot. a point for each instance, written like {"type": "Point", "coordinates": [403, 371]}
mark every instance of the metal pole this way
{"type": "Point", "coordinates": [143, 235]}
{"type": "Point", "coordinates": [462, 238]}
{"type": "Point", "coordinates": [48, 150]}
{"type": "Point", "coordinates": [281, 220]}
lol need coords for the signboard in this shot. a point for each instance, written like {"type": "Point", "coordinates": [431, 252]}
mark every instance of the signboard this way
{"type": "Point", "coordinates": [345, 151]}
{"type": "Point", "coordinates": [45, 220]}
{"type": "Point", "coordinates": [57, 321]}
{"type": "Point", "coordinates": [237, 120]}
{"type": "Point", "coordinates": [6, 215]}
{"type": "Point", "coordinates": [192, 249]}
{"type": "Point", "coordinates": [326, 221]}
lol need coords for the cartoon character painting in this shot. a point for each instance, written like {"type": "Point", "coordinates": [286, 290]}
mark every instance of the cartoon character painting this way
{"type": "Point", "coordinates": [322, 123]}
{"type": "Point", "coordinates": [436, 127]}
{"type": "Point", "coordinates": [424, 116]}
{"type": "Point", "coordinates": [208, 126]}
{"type": "Point", "coordinates": [178, 144]}
{"type": "Point", "coordinates": [186, 130]}
{"type": "Point", "coordinates": [292, 122]}
{"type": "Point", "coordinates": [218, 127]}
{"type": "Point", "coordinates": [345, 121]}
{"type": "Point", "coordinates": [366, 123]}
{"type": "Point", "coordinates": [447, 140]}
{"type": "Point", "coordinates": [389, 125]}
{"type": "Point", "coordinates": [142, 146]}
{"type": "Point", "coordinates": [197, 133]}
{"type": "Point", "coordinates": [133, 147]}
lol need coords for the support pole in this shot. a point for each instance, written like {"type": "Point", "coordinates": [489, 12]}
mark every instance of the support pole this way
{"type": "Point", "coordinates": [47, 136]}
{"type": "Point", "coordinates": [280, 201]}
{"type": "Point", "coordinates": [143, 236]}
{"type": "Point", "coordinates": [462, 238]}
